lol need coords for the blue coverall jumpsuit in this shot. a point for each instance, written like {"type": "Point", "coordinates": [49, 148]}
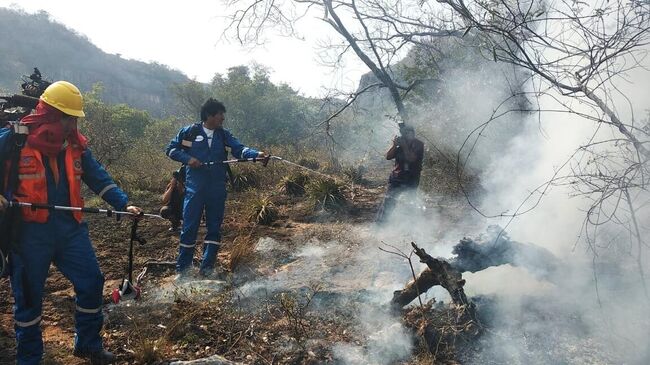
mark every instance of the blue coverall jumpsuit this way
{"type": "Point", "coordinates": [65, 242]}
{"type": "Point", "coordinates": [205, 188]}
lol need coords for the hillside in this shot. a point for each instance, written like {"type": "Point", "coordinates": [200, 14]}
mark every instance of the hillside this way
{"type": "Point", "coordinates": [35, 40]}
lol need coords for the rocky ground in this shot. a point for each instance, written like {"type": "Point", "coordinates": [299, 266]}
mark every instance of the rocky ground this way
{"type": "Point", "coordinates": [312, 287]}
{"type": "Point", "coordinates": [266, 311]}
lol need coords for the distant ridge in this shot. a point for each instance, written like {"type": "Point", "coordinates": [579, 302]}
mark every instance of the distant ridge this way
{"type": "Point", "coordinates": [35, 40]}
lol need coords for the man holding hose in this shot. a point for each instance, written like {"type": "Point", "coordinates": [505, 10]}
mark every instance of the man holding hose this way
{"type": "Point", "coordinates": [202, 147]}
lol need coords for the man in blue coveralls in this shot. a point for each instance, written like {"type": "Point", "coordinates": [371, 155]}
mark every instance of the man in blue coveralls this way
{"type": "Point", "coordinates": [52, 164]}
{"type": "Point", "coordinates": [201, 147]}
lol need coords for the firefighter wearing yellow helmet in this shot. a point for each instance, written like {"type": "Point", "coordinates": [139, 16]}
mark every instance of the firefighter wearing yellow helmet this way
{"type": "Point", "coordinates": [65, 97]}
{"type": "Point", "coordinates": [52, 165]}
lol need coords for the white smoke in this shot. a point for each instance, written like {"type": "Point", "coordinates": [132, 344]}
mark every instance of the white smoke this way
{"type": "Point", "coordinates": [388, 341]}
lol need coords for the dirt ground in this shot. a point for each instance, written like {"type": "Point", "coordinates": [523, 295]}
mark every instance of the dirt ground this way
{"type": "Point", "coordinates": [290, 290]}
{"type": "Point", "coordinates": [220, 322]}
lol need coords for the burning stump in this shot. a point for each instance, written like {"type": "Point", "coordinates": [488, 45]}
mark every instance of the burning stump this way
{"type": "Point", "coordinates": [491, 249]}
{"type": "Point", "coordinates": [438, 272]}
{"type": "Point", "coordinates": [443, 326]}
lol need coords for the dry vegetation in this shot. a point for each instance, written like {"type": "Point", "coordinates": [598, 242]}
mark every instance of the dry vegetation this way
{"type": "Point", "coordinates": [187, 322]}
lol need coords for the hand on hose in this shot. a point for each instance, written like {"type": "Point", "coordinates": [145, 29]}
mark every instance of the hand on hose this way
{"type": "Point", "coordinates": [194, 163]}
{"type": "Point", "coordinates": [265, 157]}
{"type": "Point", "coordinates": [136, 211]}
{"type": "Point", "coordinates": [3, 203]}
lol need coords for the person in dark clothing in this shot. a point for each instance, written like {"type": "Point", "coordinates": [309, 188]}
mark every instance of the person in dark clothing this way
{"type": "Point", "coordinates": [172, 199]}
{"type": "Point", "coordinates": [408, 153]}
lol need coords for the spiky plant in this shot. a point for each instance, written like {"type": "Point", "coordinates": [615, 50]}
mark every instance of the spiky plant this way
{"type": "Point", "coordinates": [262, 210]}
{"type": "Point", "coordinates": [354, 173]}
{"type": "Point", "coordinates": [326, 194]}
{"type": "Point", "coordinates": [309, 163]}
{"type": "Point", "coordinates": [294, 184]}
{"type": "Point", "coordinates": [242, 180]}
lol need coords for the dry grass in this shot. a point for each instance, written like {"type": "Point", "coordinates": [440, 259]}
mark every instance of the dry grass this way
{"type": "Point", "coordinates": [146, 351]}
{"type": "Point", "coordinates": [441, 330]}
{"type": "Point", "coordinates": [244, 179]}
{"type": "Point", "coordinates": [294, 308]}
{"type": "Point", "coordinates": [354, 174]}
{"type": "Point", "coordinates": [310, 163]}
{"type": "Point", "coordinates": [241, 251]}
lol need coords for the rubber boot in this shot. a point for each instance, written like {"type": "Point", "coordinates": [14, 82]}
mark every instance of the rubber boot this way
{"type": "Point", "coordinates": [101, 357]}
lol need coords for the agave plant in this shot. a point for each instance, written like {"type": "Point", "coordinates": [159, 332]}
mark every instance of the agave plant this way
{"type": "Point", "coordinates": [354, 173]}
{"type": "Point", "coordinates": [243, 180]}
{"type": "Point", "coordinates": [309, 163]}
{"type": "Point", "coordinates": [262, 210]}
{"type": "Point", "coordinates": [294, 185]}
{"type": "Point", "coordinates": [326, 194]}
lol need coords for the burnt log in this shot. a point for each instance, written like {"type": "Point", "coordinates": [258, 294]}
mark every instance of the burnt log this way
{"type": "Point", "coordinates": [494, 248]}
{"type": "Point", "coordinates": [438, 272]}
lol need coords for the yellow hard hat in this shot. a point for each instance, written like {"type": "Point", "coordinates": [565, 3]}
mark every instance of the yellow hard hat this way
{"type": "Point", "coordinates": [65, 97]}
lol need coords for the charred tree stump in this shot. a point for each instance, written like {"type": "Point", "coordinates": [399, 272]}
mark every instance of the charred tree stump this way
{"type": "Point", "coordinates": [439, 329]}
{"type": "Point", "coordinates": [438, 272]}
{"type": "Point", "coordinates": [443, 329]}
{"type": "Point", "coordinates": [491, 249]}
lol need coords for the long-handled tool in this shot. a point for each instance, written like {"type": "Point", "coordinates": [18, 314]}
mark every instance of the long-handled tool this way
{"type": "Point", "coordinates": [129, 290]}
{"type": "Point", "coordinates": [263, 160]}
{"type": "Point", "coordinates": [108, 212]}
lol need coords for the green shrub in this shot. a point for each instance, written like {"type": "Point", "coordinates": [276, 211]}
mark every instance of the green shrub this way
{"type": "Point", "coordinates": [294, 184]}
{"type": "Point", "coordinates": [326, 194]}
{"type": "Point", "coordinates": [262, 210]}
{"type": "Point", "coordinates": [243, 179]}
{"type": "Point", "coordinates": [354, 173]}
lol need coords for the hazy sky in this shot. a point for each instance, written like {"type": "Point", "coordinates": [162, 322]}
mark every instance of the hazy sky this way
{"type": "Point", "coordinates": [186, 35]}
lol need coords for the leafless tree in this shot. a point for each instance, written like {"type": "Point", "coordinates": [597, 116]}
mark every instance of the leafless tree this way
{"type": "Point", "coordinates": [576, 53]}
{"type": "Point", "coordinates": [579, 54]}
{"type": "Point", "coordinates": [377, 32]}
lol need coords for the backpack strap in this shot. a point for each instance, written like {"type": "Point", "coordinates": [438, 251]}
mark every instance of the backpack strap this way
{"type": "Point", "coordinates": [231, 178]}
{"type": "Point", "coordinates": [17, 141]}
{"type": "Point", "coordinates": [190, 136]}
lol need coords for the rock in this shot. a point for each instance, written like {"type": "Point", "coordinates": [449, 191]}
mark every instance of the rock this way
{"type": "Point", "coordinates": [212, 360]}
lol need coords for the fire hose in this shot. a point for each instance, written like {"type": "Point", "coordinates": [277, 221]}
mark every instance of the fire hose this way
{"type": "Point", "coordinates": [265, 161]}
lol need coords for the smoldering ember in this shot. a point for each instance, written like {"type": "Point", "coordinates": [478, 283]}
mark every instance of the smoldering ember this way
{"type": "Point", "coordinates": [478, 196]}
